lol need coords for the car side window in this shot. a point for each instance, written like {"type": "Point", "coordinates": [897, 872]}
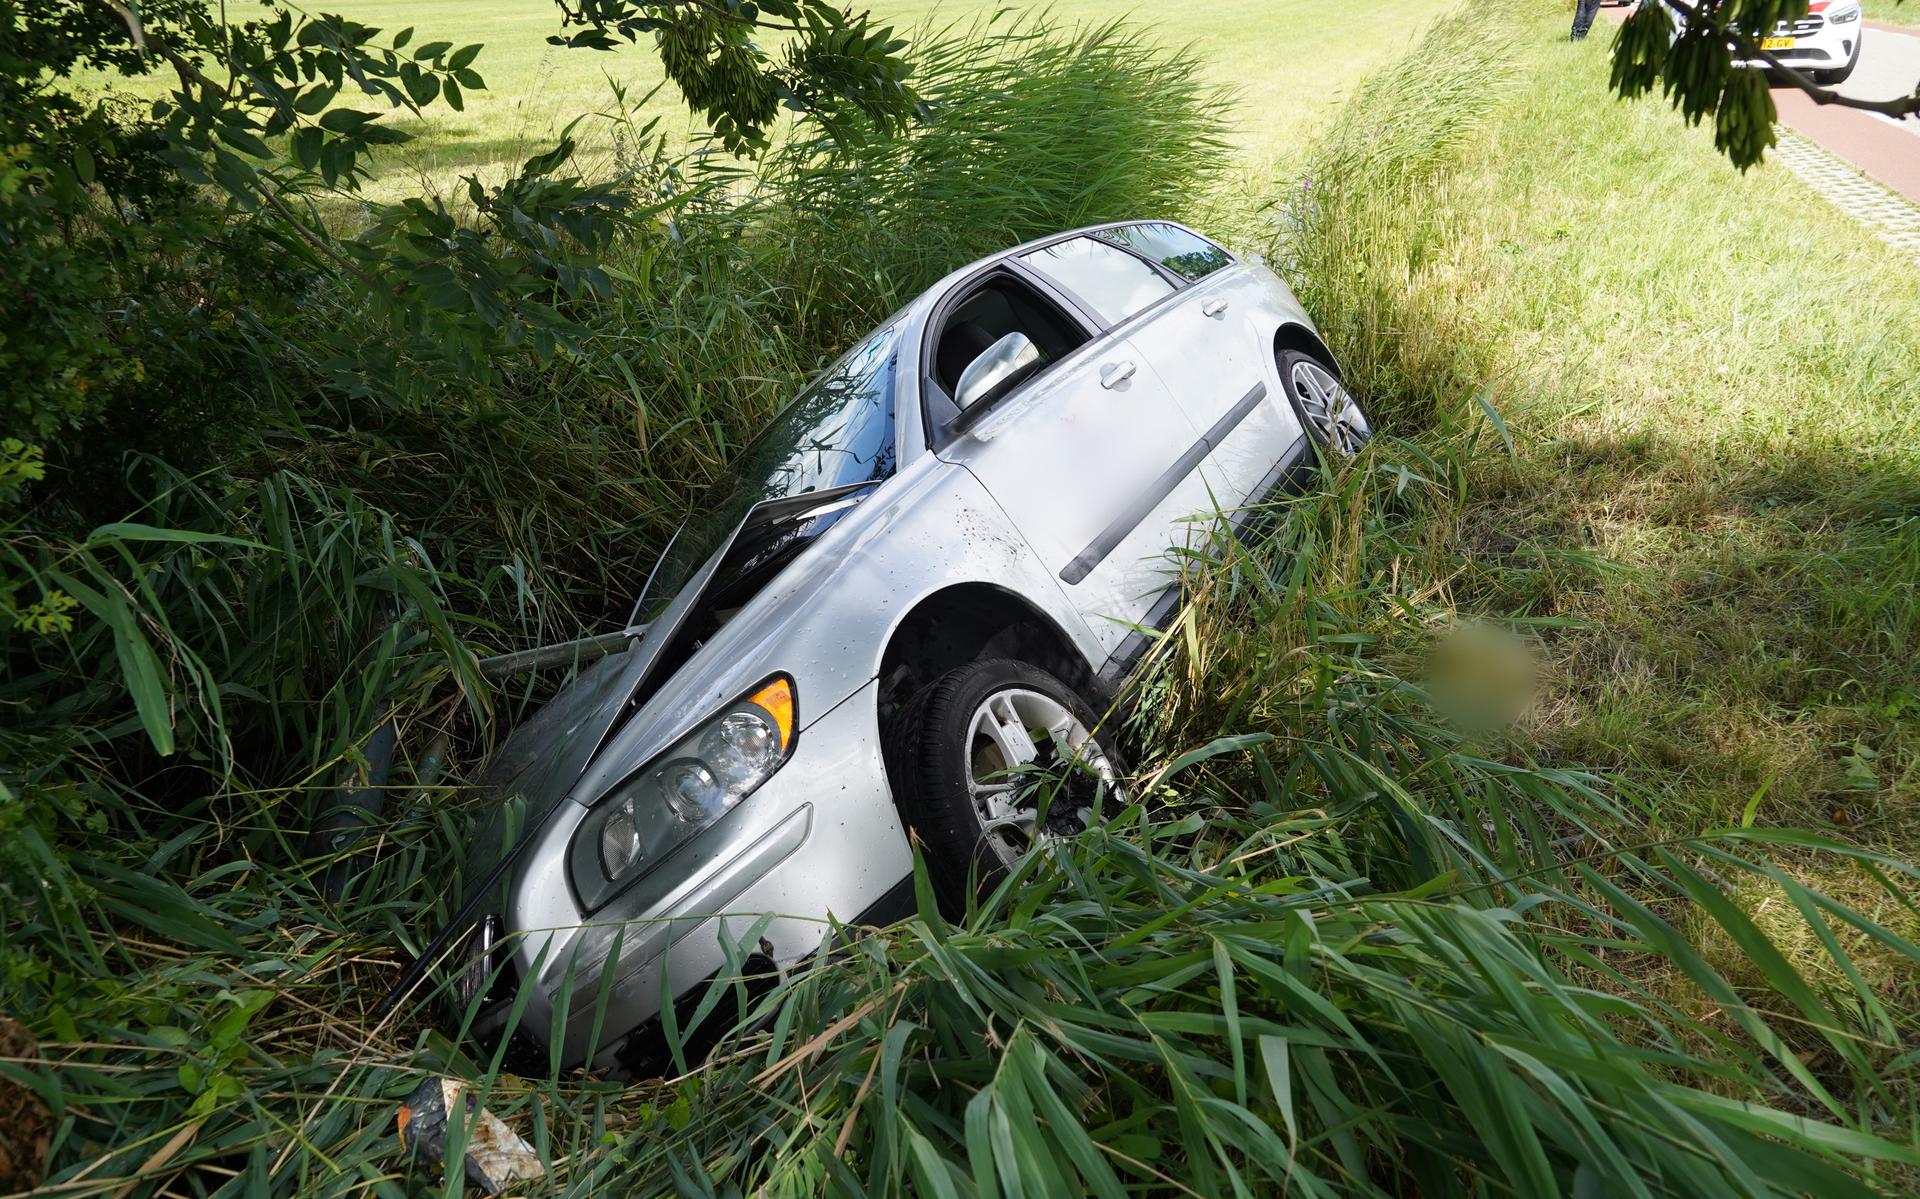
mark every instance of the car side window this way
{"type": "Point", "coordinates": [1187, 255]}
{"type": "Point", "coordinates": [1111, 281]}
{"type": "Point", "coordinates": [1000, 306]}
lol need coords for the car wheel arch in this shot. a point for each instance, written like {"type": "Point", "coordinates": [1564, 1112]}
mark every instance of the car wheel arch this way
{"type": "Point", "coordinates": [964, 622]}
{"type": "Point", "coordinates": [1293, 336]}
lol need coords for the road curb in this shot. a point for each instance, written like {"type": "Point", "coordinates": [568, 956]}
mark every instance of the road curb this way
{"type": "Point", "coordinates": [1886, 212]}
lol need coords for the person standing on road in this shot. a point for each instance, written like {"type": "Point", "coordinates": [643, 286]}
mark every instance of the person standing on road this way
{"type": "Point", "coordinates": [1583, 13]}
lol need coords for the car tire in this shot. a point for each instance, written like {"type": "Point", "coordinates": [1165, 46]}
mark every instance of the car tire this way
{"type": "Point", "coordinates": [1836, 76]}
{"type": "Point", "coordinates": [1333, 418]}
{"type": "Point", "coordinates": [954, 766]}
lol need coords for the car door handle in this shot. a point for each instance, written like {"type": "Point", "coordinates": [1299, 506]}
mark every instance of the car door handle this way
{"type": "Point", "coordinates": [1113, 374]}
{"type": "Point", "coordinates": [1213, 308]}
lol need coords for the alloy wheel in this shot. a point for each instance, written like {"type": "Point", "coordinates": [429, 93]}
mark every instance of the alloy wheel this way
{"type": "Point", "coordinates": [1018, 743]}
{"type": "Point", "coordinates": [1335, 416]}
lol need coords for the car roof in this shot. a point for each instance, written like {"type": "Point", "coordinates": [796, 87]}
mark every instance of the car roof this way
{"type": "Point", "coordinates": [927, 298]}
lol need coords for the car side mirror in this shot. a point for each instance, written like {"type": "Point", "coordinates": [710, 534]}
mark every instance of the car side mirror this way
{"type": "Point", "coordinates": [998, 369]}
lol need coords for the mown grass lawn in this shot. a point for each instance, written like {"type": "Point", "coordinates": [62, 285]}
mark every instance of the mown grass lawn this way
{"type": "Point", "coordinates": [1718, 378]}
{"type": "Point", "coordinates": [1893, 12]}
{"type": "Point", "coordinates": [1291, 61]}
{"type": "Point", "coordinates": [1712, 513]}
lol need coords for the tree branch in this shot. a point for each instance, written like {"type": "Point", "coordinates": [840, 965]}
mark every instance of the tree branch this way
{"type": "Point", "coordinates": [191, 75]}
{"type": "Point", "coordinates": [319, 243]}
{"type": "Point", "coordinates": [1900, 108]}
{"type": "Point", "coordinates": [182, 65]}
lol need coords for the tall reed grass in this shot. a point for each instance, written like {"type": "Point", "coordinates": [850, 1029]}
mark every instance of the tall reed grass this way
{"type": "Point", "coordinates": [1355, 230]}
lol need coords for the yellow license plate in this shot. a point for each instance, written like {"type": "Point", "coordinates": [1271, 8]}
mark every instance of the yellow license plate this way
{"type": "Point", "coordinates": [1776, 43]}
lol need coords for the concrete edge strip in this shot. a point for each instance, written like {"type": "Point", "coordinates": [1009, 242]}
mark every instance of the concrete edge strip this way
{"type": "Point", "coordinates": [1890, 215]}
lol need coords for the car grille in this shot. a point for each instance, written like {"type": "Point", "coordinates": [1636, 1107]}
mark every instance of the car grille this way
{"type": "Point", "coordinates": [1805, 27]}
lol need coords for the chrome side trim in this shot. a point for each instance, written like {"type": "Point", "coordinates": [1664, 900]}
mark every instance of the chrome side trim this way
{"type": "Point", "coordinates": [1290, 474]}
{"type": "Point", "coordinates": [1144, 503]}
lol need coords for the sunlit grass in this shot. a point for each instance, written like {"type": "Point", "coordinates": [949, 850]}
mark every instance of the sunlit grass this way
{"type": "Point", "coordinates": [1290, 61]}
{"type": "Point", "coordinates": [1893, 12]}
{"type": "Point", "coordinates": [1708, 525]}
{"type": "Point", "coordinates": [1714, 380]}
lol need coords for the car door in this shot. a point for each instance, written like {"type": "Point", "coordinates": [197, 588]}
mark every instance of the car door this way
{"type": "Point", "coordinates": [1211, 354]}
{"type": "Point", "coordinates": [1096, 466]}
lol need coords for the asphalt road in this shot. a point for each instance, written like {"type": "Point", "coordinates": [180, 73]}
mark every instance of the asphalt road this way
{"type": "Point", "coordinates": [1889, 65]}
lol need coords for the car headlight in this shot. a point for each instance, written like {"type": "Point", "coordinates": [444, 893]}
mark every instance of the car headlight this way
{"type": "Point", "coordinates": [1844, 16]}
{"type": "Point", "coordinates": [684, 790]}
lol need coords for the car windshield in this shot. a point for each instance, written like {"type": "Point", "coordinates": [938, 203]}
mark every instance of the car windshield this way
{"type": "Point", "coordinates": [836, 433]}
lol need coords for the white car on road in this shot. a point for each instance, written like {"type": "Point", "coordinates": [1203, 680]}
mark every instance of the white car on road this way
{"type": "Point", "coordinates": [1824, 44]}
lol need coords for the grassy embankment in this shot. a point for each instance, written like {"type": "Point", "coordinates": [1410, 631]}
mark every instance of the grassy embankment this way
{"type": "Point", "coordinates": [1893, 12]}
{"type": "Point", "coordinates": [1713, 382]}
{"type": "Point", "coordinates": [1290, 62]}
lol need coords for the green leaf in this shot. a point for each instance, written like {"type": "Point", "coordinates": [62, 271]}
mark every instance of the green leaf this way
{"type": "Point", "coordinates": [244, 140]}
{"type": "Point", "coordinates": [926, 900]}
{"type": "Point", "coordinates": [1484, 398]}
{"type": "Point", "coordinates": [306, 146]}
{"type": "Point", "coordinates": [1753, 805]}
{"type": "Point", "coordinates": [423, 87]}
{"type": "Point", "coordinates": [1273, 1055]}
{"type": "Point", "coordinates": [140, 670]}
{"type": "Point", "coordinates": [315, 99]}
{"type": "Point", "coordinates": [463, 57]}
{"type": "Point", "coordinates": [1796, 1130]}
{"type": "Point", "coordinates": [127, 530]}
{"type": "Point", "coordinates": [346, 120]}
{"type": "Point", "coordinates": [1212, 749]}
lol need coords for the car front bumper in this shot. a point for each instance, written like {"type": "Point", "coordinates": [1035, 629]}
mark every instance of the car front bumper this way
{"type": "Point", "coordinates": [820, 839]}
{"type": "Point", "coordinates": [1826, 48]}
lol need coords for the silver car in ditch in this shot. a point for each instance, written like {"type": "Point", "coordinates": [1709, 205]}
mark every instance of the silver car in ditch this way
{"type": "Point", "coordinates": [924, 577]}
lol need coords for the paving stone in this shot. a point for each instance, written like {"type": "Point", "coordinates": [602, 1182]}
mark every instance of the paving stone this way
{"type": "Point", "coordinates": [1889, 214]}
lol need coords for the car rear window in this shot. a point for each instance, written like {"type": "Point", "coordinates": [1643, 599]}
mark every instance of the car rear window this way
{"type": "Point", "coordinates": [1185, 254]}
{"type": "Point", "coordinates": [1111, 281]}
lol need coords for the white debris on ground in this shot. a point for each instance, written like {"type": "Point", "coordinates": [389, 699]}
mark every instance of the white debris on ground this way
{"type": "Point", "coordinates": [495, 1156]}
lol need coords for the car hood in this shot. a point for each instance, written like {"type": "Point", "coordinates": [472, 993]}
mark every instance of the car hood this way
{"type": "Point", "coordinates": [617, 714]}
{"type": "Point", "coordinates": [541, 761]}
{"type": "Point", "coordinates": [738, 657]}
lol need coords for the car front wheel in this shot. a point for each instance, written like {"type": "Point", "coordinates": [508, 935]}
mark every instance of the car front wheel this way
{"type": "Point", "coordinates": [1003, 759]}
